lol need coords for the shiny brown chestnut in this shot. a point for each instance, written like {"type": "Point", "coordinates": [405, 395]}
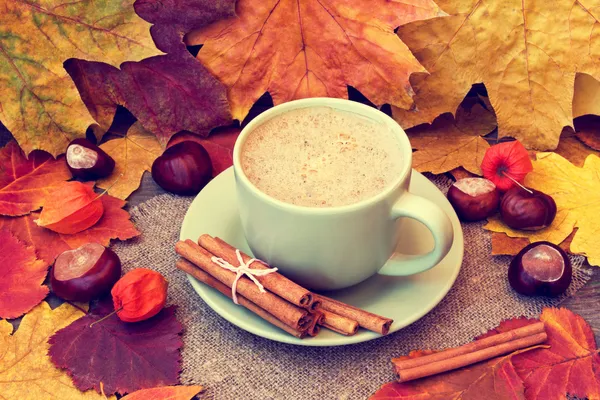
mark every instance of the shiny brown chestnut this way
{"type": "Point", "coordinates": [88, 161]}
{"type": "Point", "coordinates": [184, 169]}
{"type": "Point", "coordinates": [541, 268]}
{"type": "Point", "coordinates": [474, 199]}
{"type": "Point", "coordinates": [527, 209]}
{"type": "Point", "coordinates": [85, 273]}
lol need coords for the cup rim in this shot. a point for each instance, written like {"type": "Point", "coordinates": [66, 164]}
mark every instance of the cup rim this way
{"type": "Point", "coordinates": [338, 104]}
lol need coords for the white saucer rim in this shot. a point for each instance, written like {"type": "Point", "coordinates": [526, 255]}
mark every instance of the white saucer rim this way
{"type": "Point", "coordinates": [207, 294]}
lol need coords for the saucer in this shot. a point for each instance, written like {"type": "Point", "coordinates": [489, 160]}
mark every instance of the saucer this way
{"type": "Point", "coordinates": [404, 299]}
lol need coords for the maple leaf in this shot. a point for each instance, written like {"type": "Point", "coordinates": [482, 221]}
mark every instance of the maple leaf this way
{"type": "Point", "coordinates": [172, 19]}
{"type": "Point", "coordinates": [296, 49]}
{"type": "Point", "coordinates": [571, 363]}
{"type": "Point", "coordinates": [450, 142]}
{"type": "Point", "coordinates": [22, 277]}
{"type": "Point", "coordinates": [114, 224]}
{"type": "Point", "coordinates": [124, 356]}
{"type": "Point", "coordinates": [166, 94]}
{"type": "Point", "coordinates": [502, 244]}
{"type": "Point", "coordinates": [134, 154]}
{"type": "Point", "coordinates": [504, 44]}
{"type": "Point", "coordinates": [576, 192]}
{"type": "Point", "coordinates": [496, 378]}
{"type": "Point", "coordinates": [25, 369]}
{"type": "Point", "coordinates": [39, 103]}
{"type": "Point", "coordinates": [165, 393]}
{"type": "Point", "coordinates": [25, 182]}
{"type": "Point", "coordinates": [572, 147]}
{"type": "Point", "coordinates": [219, 146]}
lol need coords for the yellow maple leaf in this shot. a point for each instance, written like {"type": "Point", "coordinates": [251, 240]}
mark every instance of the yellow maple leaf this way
{"type": "Point", "coordinates": [134, 154]}
{"type": "Point", "coordinates": [526, 53]}
{"type": "Point", "coordinates": [39, 102]}
{"type": "Point", "coordinates": [26, 371]}
{"type": "Point", "coordinates": [295, 49]}
{"type": "Point", "coordinates": [450, 142]}
{"type": "Point", "coordinates": [577, 194]}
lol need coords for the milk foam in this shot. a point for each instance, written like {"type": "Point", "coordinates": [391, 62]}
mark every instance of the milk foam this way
{"type": "Point", "coordinates": [321, 157]}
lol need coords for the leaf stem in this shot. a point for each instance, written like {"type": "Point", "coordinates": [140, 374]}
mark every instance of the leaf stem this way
{"type": "Point", "coordinates": [106, 316]}
{"type": "Point", "coordinates": [109, 187]}
{"type": "Point", "coordinates": [517, 182]}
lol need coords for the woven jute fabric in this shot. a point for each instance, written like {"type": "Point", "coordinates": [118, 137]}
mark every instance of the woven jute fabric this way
{"type": "Point", "coordinates": [234, 364]}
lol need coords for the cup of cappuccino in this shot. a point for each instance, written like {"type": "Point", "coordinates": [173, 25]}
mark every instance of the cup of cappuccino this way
{"type": "Point", "coordinates": [321, 184]}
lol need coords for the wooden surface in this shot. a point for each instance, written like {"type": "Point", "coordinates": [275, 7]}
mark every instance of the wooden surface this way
{"type": "Point", "coordinates": [585, 302]}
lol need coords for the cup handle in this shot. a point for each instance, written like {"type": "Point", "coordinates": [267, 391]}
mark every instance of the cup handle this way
{"type": "Point", "coordinates": [436, 220]}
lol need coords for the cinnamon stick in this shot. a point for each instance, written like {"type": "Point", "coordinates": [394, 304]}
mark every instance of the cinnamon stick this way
{"type": "Point", "coordinates": [460, 361]}
{"type": "Point", "coordinates": [339, 323]}
{"type": "Point", "coordinates": [275, 282]}
{"type": "Point", "coordinates": [208, 280]}
{"type": "Point", "coordinates": [472, 347]}
{"type": "Point", "coordinates": [291, 315]}
{"type": "Point", "coordinates": [315, 326]}
{"type": "Point", "coordinates": [365, 319]}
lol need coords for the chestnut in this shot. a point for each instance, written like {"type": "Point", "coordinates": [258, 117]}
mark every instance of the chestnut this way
{"type": "Point", "coordinates": [85, 273]}
{"type": "Point", "coordinates": [527, 209]}
{"type": "Point", "coordinates": [474, 199]}
{"type": "Point", "coordinates": [184, 168]}
{"type": "Point", "coordinates": [541, 268]}
{"type": "Point", "coordinates": [88, 161]}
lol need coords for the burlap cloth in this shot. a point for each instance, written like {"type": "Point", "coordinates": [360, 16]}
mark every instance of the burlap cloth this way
{"type": "Point", "coordinates": [234, 364]}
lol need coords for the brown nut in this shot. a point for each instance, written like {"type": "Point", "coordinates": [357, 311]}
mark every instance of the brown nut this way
{"type": "Point", "coordinates": [474, 199]}
{"type": "Point", "coordinates": [527, 209]}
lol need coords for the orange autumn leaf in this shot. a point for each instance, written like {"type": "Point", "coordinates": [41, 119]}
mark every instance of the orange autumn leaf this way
{"type": "Point", "coordinates": [165, 393]}
{"type": "Point", "coordinates": [526, 53]}
{"type": "Point", "coordinates": [22, 275]}
{"type": "Point", "coordinates": [39, 103]}
{"type": "Point", "coordinates": [25, 182]}
{"type": "Point", "coordinates": [114, 224]}
{"type": "Point", "coordinates": [71, 208]}
{"type": "Point", "coordinates": [296, 49]}
{"type": "Point", "coordinates": [496, 378]}
{"type": "Point", "coordinates": [451, 142]}
{"type": "Point", "coordinates": [502, 244]}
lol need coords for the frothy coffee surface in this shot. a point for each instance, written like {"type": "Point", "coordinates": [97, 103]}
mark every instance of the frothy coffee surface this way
{"type": "Point", "coordinates": [321, 157]}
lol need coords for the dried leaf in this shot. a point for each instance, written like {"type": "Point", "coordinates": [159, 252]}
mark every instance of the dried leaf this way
{"type": "Point", "coordinates": [460, 173]}
{"type": "Point", "coordinates": [496, 378]}
{"type": "Point", "coordinates": [588, 132]}
{"type": "Point", "coordinates": [167, 94]}
{"type": "Point", "coordinates": [71, 208]}
{"type": "Point", "coordinates": [219, 146]}
{"type": "Point", "coordinates": [586, 99]}
{"type": "Point", "coordinates": [165, 393]}
{"type": "Point", "coordinates": [39, 103]}
{"type": "Point", "coordinates": [297, 49]}
{"type": "Point", "coordinates": [572, 148]}
{"type": "Point", "coordinates": [25, 182]}
{"type": "Point", "coordinates": [26, 372]}
{"type": "Point", "coordinates": [22, 274]}
{"type": "Point", "coordinates": [571, 365]}
{"type": "Point", "coordinates": [134, 154]}
{"type": "Point", "coordinates": [577, 195]}
{"type": "Point", "coordinates": [452, 142]}
{"type": "Point", "coordinates": [504, 44]}
{"type": "Point", "coordinates": [169, 26]}
{"type": "Point", "coordinates": [126, 357]}
{"type": "Point", "coordinates": [502, 244]}
{"type": "Point", "coordinates": [114, 224]}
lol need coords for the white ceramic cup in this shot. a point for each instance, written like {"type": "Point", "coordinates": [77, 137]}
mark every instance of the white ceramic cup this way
{"type": "Point", "coordinates": [336, 247]}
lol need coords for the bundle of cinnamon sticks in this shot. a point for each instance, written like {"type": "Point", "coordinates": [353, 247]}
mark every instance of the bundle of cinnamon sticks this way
{"type": "Point", "coordinates": [283, 303]}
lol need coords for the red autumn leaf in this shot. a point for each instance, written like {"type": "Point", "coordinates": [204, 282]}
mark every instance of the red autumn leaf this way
{"type": "Point", "coordinates": [219, 146]}
{"type": "Point", "coordinates": [114, 224]}
{"type": "Point", "coordinates": [169, 26]}
{"type": "Point", "coordinates": [165, 393]}
{"type": "Point", "coordinates": [22, 277]}
{"type": "Point", "coordinates": [177, 93]}
{"type": "Point", "coordinates": [25, 182]}
{"type": "Point", "coordinates": [71, 208]}
{"type": "Point", "coordinates": [140, 294]}
{"type": "Point", "coordinates": [495, 378]}
{"type": "Point", "coordinates": [504, 161]}
{"type": "Point", "coordinates": [125, 357]}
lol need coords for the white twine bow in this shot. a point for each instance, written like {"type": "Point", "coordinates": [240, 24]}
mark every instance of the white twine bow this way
{"type": "Point", "coordinates": [241, 270]}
